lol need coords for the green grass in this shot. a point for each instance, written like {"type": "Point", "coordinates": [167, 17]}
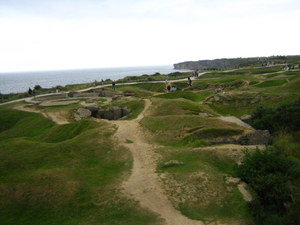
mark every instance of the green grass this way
{"type": "Point", "coordinates": [68, 174]}
{"type": "Point", "coordinates": [271, 83]}
{"type": "Point", "coordinates": [288, 144]}
{"type": "Point", "coordinates": [240, 103]}
{"type": "Point", "coordinates": [165, 107]}
{"type": "Point", "coordinates": [204, 171]}
{"type": "Point", "coordinates": [217, 132]}
{"type": "Point", "coordinates": [136, 106]}
{"type": "Point", "coordinates": [141, 90]}
{"type": "Point", "coordinates": [183, 94]}
{"type": "Point", "coordinates": [173, 130]}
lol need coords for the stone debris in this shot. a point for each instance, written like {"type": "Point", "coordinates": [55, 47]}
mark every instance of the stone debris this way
{"type": "Point", "coordinates": [173, 163]}
{"type": "Point", "coordinates": [113, 113]}
{"type": "Point", "coordinates": [246, 118]}
{"type": "Point", "coordinates": [82, 113]}
{"type": "Point", "coordinates": [258, 137]}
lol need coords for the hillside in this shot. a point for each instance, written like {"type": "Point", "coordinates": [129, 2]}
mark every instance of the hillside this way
{"type": "Point", "coordinates": [232, 63]}
{"type": "Point", "coordinates": [184, 157]}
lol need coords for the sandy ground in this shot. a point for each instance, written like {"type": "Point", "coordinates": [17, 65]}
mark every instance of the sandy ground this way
{"type": "Point", "coordinates": [233, 119]}
{"type": "Point", "coordinates": [144, 185]}
{"type": "Point", "coordinates": [57, 117]}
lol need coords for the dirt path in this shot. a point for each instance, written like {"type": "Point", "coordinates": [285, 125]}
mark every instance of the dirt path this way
{"type": "Point", "coordinates": [144, 185]}
{"type": "Point", "coordinates": [56, 117]}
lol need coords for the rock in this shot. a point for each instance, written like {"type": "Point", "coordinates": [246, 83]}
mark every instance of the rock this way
{"type": "Point", "coordinates": [116, 112]}
{"type": "Point", "coordinates": [113, 113]}
{"type": "Point", "coordinates": [83, 113]}
{"type": "Point", "coordinates": [255, 100]}
{"type": "Point", "coordinates": [116, 97]}
{"type": "Point", "coordinates": [127, 94]}
{"type": "Point", "coordinates": [94, 110]}
{"type": "Point", "coordinates": [232, 180]}
{"type": "Point", "coordinates": [217, 98]}
{"type": "Point", "coordinates": [125, 111]}
{"type": "Point", "coordinates": [246, 118]}
{"type": "Point", "coordinates": [203, 115]}
{"type": "Point", "coordinates": [91, 100]}
{"type": "Point", "coordinates": [258, 137]}
{"type": "Point", "coordinates": [173, 163]}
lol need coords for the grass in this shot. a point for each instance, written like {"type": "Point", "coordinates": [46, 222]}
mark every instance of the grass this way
{"type": "Point", "coordinates": [217, 132]}
{"type": "Point", "coordinates": [173, 130]}
{"type": "Point", "coordinates": [200, 182]}
{"type": "Point", "coordinates": [242, 101]}
{"type": "Point", "coordinates": [68, 174]}
{"type": "Point", "coordinates": [165, 107]}
{"type": "Point", "coordinates": [271, 83]}
{"type": "Point", "coordinates": [183, 94]}
{"type": "Point", "coordinates": [136, 106]}
{"type": "Point", "coordinates": [141, 90]}
{"type": "Point", "coordinates": [288, 144]}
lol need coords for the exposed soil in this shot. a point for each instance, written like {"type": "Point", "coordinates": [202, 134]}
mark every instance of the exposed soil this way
{"type": "Point", "coordinates": [144, 185]}
{"type": "Point", "coordinates": [57, 117]}
{"type": "Point", "coordinates": [233, 119]}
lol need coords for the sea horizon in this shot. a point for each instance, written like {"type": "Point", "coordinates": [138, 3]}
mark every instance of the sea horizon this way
{"type": "Point", "coordinates": [18, 82]}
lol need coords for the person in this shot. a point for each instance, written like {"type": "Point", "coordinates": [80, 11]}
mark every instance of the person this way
{"type": "Point", "coordinates": [189, 81]}
{"type": "Point", "coordinates": [169, 88]}
{"type": "Point", "coordinates": [173, 88]}
{"type": "Point", "coordinates": [102, 82]}
{"type": "Point", "coordinates": [113, 85]}
{"type": "Point", "coordinates": [30, 91]}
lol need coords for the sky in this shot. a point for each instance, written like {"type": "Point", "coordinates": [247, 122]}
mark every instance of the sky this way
{"type": "Point", "coordinates": [71, 34]}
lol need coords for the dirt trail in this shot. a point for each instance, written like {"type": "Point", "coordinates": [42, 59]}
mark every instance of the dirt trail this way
{"type": "Point", "coordinates": [56, 117]}
{"type": "Point", "coordinates": [144, 184]}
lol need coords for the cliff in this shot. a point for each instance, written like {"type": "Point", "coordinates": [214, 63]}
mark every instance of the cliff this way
{"type": "Point", "coordinates": [227, 63]}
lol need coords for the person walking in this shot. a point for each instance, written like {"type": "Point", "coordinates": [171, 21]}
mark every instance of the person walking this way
{"type": "Point", "coordinates": [113, 85]}
{"type": "Point", "coordinates": [30, 92]}
{"type": "Point", "coordinates": [189, 81]}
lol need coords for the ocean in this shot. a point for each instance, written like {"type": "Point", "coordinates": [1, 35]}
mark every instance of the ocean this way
{"type": "Point", "coordinates": [16, 82]}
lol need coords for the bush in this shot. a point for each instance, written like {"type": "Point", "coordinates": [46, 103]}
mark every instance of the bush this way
{"type": "Point", "coordinates": [37, 87]}
{"type": "Point", "coordinates": [282, 118]}
{"type": "Point", "coordinates": [271, 177]}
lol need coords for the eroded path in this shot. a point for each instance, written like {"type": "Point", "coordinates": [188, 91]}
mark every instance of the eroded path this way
{"type": "Point", "coordinates": [57, 117]}
{"type": "Point", "coordinates": [144, 184]}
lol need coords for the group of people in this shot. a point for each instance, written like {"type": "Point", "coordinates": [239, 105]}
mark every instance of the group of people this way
{"type": "Point", "coordinates": [195, 74]}
{"type": "Point", "coordinates": [290, 67]}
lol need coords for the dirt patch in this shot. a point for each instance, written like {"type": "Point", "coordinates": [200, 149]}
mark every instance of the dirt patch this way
{"type": "Point", "coordinates": [233, 119]}
{"type": "Point", "coordinates": [235, 152]}
{"type": "Point", "coordinates": [59, 117]}
{"type": "Point", "coordinates": [144, 185]}
{"type": "Point", "coordinates": [58, 103]}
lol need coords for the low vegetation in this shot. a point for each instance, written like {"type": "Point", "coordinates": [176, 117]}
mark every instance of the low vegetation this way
{"type": "Point", "coordinates": [284, 118]}
{"type": "Point", "coordinates": [275, 181]}
{"type": "Point", "coordinates": [72, 173]}
{"type": "Point", "coordinates": [67, 174]}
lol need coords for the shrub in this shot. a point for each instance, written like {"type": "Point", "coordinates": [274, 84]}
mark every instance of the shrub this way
{"type": "Point", "coordinates": [271, 177]}
{"type": "Point", "coordinates": [285, 117]}
{"type": "Point", "coordinates": [37, 87]}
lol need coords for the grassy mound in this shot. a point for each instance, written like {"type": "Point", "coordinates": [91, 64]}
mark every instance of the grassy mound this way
{"type": "Point", "coordinates": [197, 186]}
{"type": "Point", "coordinates": [68, 174]}
{"type": "Point", "coordinates": [271, 83]}
{"type": "Point", "coordinates": [217, 132]}
{"type": "Point", "coordinates": [173, 130]}
{"type": "Point", "coordinates": [182, 94]}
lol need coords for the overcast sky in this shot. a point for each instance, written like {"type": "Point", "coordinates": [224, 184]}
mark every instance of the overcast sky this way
{"type": "Point", "coordinates": [69, 34]}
